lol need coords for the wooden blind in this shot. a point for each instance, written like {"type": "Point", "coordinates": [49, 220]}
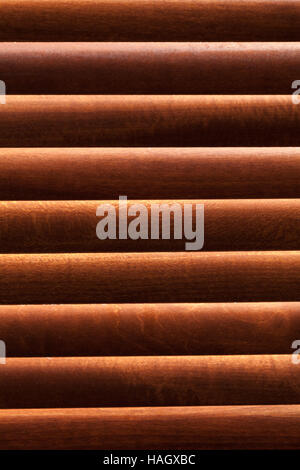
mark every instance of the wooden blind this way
{"type": "Point", "coordinates": [140, 344]}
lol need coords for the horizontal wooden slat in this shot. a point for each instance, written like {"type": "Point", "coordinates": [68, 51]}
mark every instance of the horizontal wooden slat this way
{"type": "Point", "coordinates": [209, 427]}
{"type": "Point", "coordinates": [70, 226]}
{"type": "Point", "coordinates": [150, 277]}
{"type": "Point", "coordinates": [60, 382]}
{"type": "Point", "coordinates": [147, 120]}
{"type": "Point", "coordinates": [129, 20]}
{"type": "Point", "coordinates": [149, 329]}
{"type": "Point", "coordinates": [188, 173]}
{"type": "Point", "coordinates": [155, 68]}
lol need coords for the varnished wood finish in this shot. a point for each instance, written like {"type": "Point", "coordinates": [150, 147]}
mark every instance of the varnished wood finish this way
{"type": "Point", "coordinates": [146, 20]}
{"type": "Point", "coordinates": [155, 68]}
{"type": "Point", "coordinates": [150, 329]}
{"type": "Point", "coordinates": [149, 120]}
{"type": "Point", "coordinates": [150, 277]}
{"type": "Point", "coordinates": [155, 349]}
{"type": "Point", "coordinates": [72, 382]}
{"type": "Point", "coordinates": [70, 226]}
{"type": "Point", "coordinates": [149, 173]}
{"type": "Point", "coordinates": [208, 427]}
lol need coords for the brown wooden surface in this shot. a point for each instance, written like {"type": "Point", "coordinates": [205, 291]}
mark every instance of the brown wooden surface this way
{"type": "Point", "coordinates": [150, 329]}
{"type": "Point", "coordinates": [209, 427]}
{"type": "Point", "coordinates": [73, 382]}
{"type": "Point", "coordinates": [149, 173]}
{"type": "Point", "coordinates": [201, 91]}
{"type": "Point", "coordinates": [70, 226]}
{"type": "Point", "coordinates": [150, 277]}
{"type": "Point", "coordinates": [149, 120]}
{"type": "Point", "coordinates": [136, 20]}
{"type": "Point", "coordinates": [155, 68]}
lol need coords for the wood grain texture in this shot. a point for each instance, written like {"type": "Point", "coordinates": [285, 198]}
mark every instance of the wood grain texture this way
{"type": "Point", "coordinates": [209, 427]}
{"type": "Point", "coordinates": [70, 226]}
{"type": "Point", "coordinates": [73, 382]}
{"type": "Point", "coordinates": [187, 173]}
{"type": "Point", "coordinates": [150, 277]}
{"type": "Point", "coordinates": [149, 120]}
{"type": "Point", "coordinates": [154, 68]}
{"type": "Point", "coordinates": [146, 20]}
{"type": "Point", "coordinates": [97, 355]}
{"type": "Point", "coordinates": [149, 329]}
